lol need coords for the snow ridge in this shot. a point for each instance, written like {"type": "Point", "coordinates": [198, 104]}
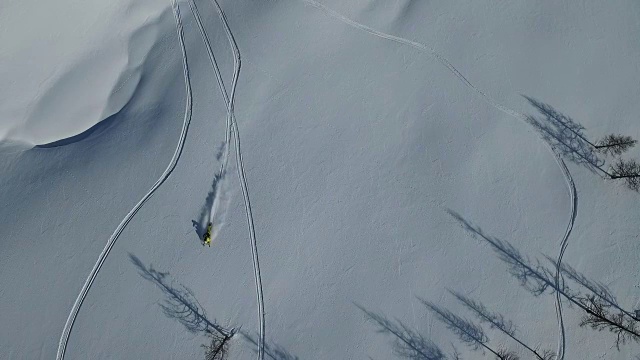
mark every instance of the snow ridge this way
{"type": "Point", "coordinates": [64, 339]}
{"type": "Point", "coordinates": [229, 100]}
{"type": "Point", "coordinates": [502, 108]}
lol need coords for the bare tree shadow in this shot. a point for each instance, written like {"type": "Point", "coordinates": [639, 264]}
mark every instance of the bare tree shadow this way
{"type": "Point", "coordinates": [180, 303]}
{"type": "Point", "coordinates": [532, 276]}
{"type": "Point", "coordinates": [565, 135]}
{"type": "Point", "coordinates": [468, 332]}
{"type": "Point", "coordinates": [495, 320]}
{"type": "Point", "coordinates": [596, 288]}
{"type": "Point", "coordinates": [498, 321]}
{"type": "Point", "coordinates": [273, 351]}
{"type": "Point", "coordinates": [407, 343]}
{"type": "Point", "coordinates": [537, 279]}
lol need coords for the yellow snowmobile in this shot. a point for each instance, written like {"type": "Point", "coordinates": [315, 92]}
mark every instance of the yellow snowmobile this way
{"type": "Point", "coordinates": [207, 236]}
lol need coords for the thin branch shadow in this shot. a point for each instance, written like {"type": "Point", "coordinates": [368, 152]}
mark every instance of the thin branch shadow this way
{"type": "Point", "coordinates": [180, 303]}
{"type": "Point", "coordinates": [498, 321]}
{"type": "Point", "coordinates": [537, 279]}
{"type": "Point", "coordinates": [468, 332]}
{"type": "Point", "coordinates": [273, 351]}
{"type": "Point", "coordinates": [407, 343]}
{"type": "Point", "coordinates": [565, 135]}
{"type": "Point", "coordinates": [495, 320]}
{"type": "Point", "coordinates": [596, 288]}
{"type": "Point", "coordinates": [532, 276]}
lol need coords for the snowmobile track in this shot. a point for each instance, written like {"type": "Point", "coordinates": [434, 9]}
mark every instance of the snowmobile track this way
{"type": "Point", "coordinates": [229, 100]}
{"type": "Point", "coordinates": [498, 106]}
{"type": "Point", "coordinates": [227, 135]}
{"type": "Point", "coordinates": [64, 339]}
{"type": "Point", "coordinates": [559, 281]}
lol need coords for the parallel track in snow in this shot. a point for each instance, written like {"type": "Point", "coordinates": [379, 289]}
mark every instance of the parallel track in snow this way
{"type": "Point", "coordinates": [559, 281]}
{"type": "Point", "coordinates": [567, 175]}
{"type": "Point", "coordinates": [64, 339]}
{"type": "Point", "coordinates": [229, 100]}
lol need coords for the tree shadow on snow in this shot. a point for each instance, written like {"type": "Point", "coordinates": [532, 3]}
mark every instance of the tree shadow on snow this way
{"type": "Point", "coordinates": [596, 288]}
{"type": "Point", "coordinates": [410, 344]}
{"type": "Point", "coordinates": [180, 303]}
{"type": "Point", "coordinates": [407, 343]}
{"type": "Point", "coordinates": [565, 135]}
{"type": "Point", "coordinates": [531, 275]}
{"type": "Point", "coordinates": [538, 279]}
{"type": "Point", "coordinates": [273, 351]}
{"type": "Point", "coordinates": [467, 331]}
{"type": "Point", "coordinates": [497, 321]}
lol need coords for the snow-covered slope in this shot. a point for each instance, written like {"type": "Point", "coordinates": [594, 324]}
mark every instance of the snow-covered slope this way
{"type": "Point", "coordinates": [69, 64]}
{"type": "Point", "coordinates": [358, 148]}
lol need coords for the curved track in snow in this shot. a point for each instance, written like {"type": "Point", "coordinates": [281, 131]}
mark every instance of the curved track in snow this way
{"type": "Point", "coordinates": [229, 100]}
{"type": "Point", "coordinates": [502, 108]}
{"type": "Point", "coordinates": [563, 246]}
{"type": "Point", "coordinates": [64, 339]}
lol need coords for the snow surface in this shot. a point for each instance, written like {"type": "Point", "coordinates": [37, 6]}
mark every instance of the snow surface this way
{"type": "Point", "coordinates": [68, 65]}
{"type": "Point", "coordinates": [356, 150]}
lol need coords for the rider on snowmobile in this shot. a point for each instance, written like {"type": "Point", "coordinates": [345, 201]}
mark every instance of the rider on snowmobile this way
{"type": "Point", "coordinates": [207, 236]}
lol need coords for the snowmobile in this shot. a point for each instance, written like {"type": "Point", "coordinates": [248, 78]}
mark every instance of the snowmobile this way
{"type": "Point", "coordinates": [207, 236]}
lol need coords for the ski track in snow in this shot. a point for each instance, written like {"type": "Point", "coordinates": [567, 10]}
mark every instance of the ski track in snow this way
{"type": "Point", "coordinates": [504, 109]}
{"type": "Point", "coordinates": [64, 339]}
{"type": "Point", "coordinates": [229, 100]}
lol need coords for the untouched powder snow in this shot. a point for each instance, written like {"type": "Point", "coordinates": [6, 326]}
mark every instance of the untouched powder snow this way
{"type": "Point", "coordinates": [392, 166]}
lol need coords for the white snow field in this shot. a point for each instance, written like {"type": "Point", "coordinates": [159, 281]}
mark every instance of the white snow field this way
{"type": "Point", "coordinates": [394, 152]}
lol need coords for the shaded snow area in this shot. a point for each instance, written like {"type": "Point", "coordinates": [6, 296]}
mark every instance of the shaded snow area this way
{"type": "Point", "coordinates": [386, 179]}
